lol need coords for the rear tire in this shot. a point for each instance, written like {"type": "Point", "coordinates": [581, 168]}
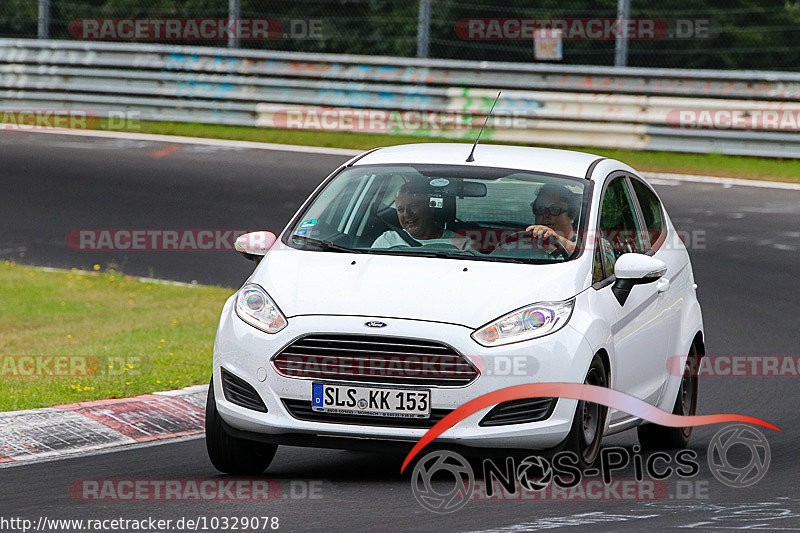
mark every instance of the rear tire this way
{"type": "Point", "coordinates": [655, 437]}
{"type": "Point", "coordinates": [590, 419]}
{"type": "Point", "coordinates": [230, 454]}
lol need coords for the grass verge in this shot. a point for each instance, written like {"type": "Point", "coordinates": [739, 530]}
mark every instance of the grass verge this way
{"type": "Point", "coordinates": [113, 336]}
{"type": "Point", "coordinates": [704, 164]}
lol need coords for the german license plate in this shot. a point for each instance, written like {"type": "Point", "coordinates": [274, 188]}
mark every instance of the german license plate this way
{"type": "Point", "coordinates": [346, 399]}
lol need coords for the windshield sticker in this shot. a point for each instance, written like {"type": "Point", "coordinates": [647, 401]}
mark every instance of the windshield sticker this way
{"type": "Point", "coordinates": [308, 223]}
{"type": "Point", "coordinates": [301, 232]}
{"type": "Point", "coordinates": [439, 182]}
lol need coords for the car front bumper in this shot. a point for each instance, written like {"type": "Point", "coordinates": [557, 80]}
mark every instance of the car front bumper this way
{"type": "Point", "coordinates": [246, 352]}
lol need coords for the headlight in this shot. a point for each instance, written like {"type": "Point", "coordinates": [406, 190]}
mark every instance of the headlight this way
{"type": "Point", "coordinates": [254, 306]}
{"type": "Point", "coordinates": [530, 322]}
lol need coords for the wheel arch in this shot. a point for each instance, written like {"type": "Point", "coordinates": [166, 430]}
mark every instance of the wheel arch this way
{"type": "Point", "coordinates": [696, 345]}
{"type": "Point", "coordinates": [699, 344]}
{"type": "Point", "coordinates": [607, 362]}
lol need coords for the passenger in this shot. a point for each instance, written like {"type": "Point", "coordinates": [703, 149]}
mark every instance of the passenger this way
{"type": "Point", "coordinates": [416, 218]}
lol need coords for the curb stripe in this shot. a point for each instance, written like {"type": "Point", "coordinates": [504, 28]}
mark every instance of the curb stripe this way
{"type": "Point", "coordinates": [80, 428]}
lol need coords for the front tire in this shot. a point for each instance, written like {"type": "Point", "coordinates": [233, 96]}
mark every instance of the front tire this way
{"type": "Point", "coordinates": [230, 454]}
{"type": "Point", "coordinates": [655, 437]}
{"type": "Point", "coordinates": [590, 419]}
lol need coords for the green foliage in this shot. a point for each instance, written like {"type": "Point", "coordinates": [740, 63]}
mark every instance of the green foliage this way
{"type": "Point", "coordinates": [742, 34]}
{"type": "Point", "coordinates": [18, 18]}
{"type": "Point", "coordinates": [117, 336]}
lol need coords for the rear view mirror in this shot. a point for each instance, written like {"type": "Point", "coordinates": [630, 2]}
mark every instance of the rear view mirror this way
{"type": "Point", "coordinates": [635, 269]}
{"type": "Point", "coordinates": [472, 189]}
{"type": "Point", "coordinates": [255, 245]}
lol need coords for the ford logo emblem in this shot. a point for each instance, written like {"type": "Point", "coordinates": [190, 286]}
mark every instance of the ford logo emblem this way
{"type": "Point", "coordinates": [375, 324]}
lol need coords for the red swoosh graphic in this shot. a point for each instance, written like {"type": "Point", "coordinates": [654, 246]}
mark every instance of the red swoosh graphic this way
{"type": "Point", "coordinates": [578, 391]}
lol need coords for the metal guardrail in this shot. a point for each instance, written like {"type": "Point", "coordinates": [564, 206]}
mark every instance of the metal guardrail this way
{"type": "Point", "coordinates": [542, 104]}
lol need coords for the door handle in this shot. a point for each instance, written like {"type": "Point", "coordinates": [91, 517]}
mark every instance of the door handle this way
{"type": "Point", "coordinates": [662, 285]}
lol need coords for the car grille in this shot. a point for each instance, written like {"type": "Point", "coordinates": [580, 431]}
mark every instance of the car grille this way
{"type": "Point", "coordinates": [375, 359]}
{"type": "Point", "coordinates": [301, 409]}
{"type": "Point", "coordinates": [241, 393]}
{"type": "Point", "coordinates": [519, 412]}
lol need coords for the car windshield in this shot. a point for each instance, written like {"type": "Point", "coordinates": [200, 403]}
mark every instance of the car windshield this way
{"type": "Point", "coordinates": [460, 212]}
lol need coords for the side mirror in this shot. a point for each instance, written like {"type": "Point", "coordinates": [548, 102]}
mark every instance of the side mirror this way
{"type": "Point", "coordinates": [255, 245]}
{"type": "Point", "coordinates": [635, 269]}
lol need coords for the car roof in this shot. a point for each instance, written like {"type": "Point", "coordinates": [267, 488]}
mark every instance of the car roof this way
{"type": "Point", "coordinates": [547, 160]}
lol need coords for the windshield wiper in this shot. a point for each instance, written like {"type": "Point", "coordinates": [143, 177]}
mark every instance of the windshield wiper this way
{"type": "Point", "coordinates": [454, 255]}
{"type": "Point", "coordinates": [449, 255]}
{"type": "Point", "coordinates": [327, 246]}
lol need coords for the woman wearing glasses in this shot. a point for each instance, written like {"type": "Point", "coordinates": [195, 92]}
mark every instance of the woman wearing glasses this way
{"type": "Point", "coordinates": [555, 210]}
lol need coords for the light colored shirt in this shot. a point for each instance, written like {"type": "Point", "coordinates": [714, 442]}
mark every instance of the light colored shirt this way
{"type": "Point", "coordinates": [392, 238]}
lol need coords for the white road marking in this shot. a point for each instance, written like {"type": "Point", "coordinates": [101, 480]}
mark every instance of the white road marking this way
{"type": "Point", "coordinates": [13, 250]}
{"type": "Point", "coordinates": [756, 516]}
{"type": "Point", "coordinates": [174, 139]}
{"type": "Point", "coordinates": [663, 177]}
{"type": "Point", "coordinates": [754, 527]}
{"type": "Point", "coordinates": [726, 182]}
{"type": "Point", "coordinates": [575, 520]}
{"type": "Point", "coordinates": [193, 284]}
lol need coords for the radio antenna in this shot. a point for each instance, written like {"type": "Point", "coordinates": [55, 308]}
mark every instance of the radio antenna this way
{"type": "Point", "coordinates": [470, 159]}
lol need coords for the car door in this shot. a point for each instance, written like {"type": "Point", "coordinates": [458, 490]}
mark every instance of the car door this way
{"type": "Point", "coordinates": [639, 327]}
{"type": "Point", "coordinates": [677, 278]}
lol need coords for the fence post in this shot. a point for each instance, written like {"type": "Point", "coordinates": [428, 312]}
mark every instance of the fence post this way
{"type": "Point", "coordinates": [44, 19]}
{"type": "Point", "coordinates": [234, 13]}
{"type": "Point", "coordinates": [621, 48]}
{"type": "Point", "coordinates": [424, 28]}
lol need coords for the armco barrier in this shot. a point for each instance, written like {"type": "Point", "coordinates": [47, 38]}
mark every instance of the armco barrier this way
{"type": "Point", "coordinates": [734, 112]}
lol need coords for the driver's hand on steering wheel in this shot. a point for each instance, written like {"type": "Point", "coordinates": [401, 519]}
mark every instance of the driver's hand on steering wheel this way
{"type": "Point", "coordinates": [539, 231]}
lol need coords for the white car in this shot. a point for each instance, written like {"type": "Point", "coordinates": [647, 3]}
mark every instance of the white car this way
{"type": "Point", "coordinates": [412, 281]}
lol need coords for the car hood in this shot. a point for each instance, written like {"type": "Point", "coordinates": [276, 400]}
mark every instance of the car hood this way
{"type": "Point", "coordinates": [464, 292]}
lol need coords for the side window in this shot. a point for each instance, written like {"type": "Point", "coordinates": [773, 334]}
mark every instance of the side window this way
{"type": "Point", "coordinates": [597, 269]}
{"type": "Point", "coordinates": [618, 226]}
{"type": "Point", "coordinates": [379, 198]}
{"type": "Point", "coordinates": [651, 209]}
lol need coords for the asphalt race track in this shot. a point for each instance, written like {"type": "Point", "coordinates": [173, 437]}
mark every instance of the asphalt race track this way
{"type": "Point", "coordinates": [745, 256]}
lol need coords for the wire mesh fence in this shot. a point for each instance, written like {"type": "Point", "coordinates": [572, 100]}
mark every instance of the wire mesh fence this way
{"type": "Point", "coordinates": [718, 34]}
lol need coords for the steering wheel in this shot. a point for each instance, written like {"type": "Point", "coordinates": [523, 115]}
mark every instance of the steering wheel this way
{"type": "Point", "coordinates": [517, 235]}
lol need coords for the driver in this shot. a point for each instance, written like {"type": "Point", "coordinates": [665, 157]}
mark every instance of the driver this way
{"type": "Point", "coordinates": [555, 210]}
{"type": "Point", "coordinates": [416, 219]}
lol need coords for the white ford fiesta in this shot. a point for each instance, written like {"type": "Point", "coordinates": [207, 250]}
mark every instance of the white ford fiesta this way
{"type": "Point", "coordinates": [416, 278]}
